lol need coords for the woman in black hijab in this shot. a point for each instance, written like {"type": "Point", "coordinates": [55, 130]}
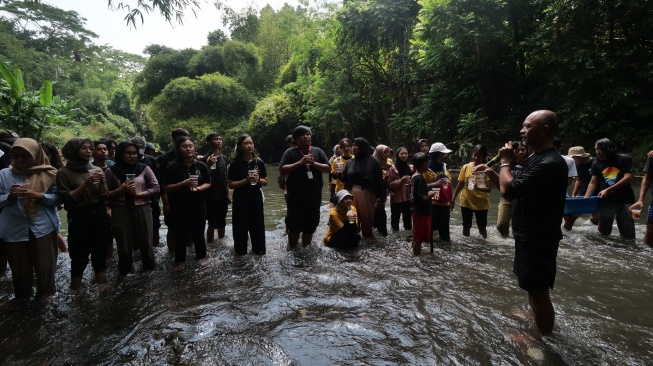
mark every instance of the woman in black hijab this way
{"type": "Point", "coordinates": [83, 190]}
{"type": "Point", "coordinates": [364, 180]}
{"type": "Point", "coordinates": [131, 184]}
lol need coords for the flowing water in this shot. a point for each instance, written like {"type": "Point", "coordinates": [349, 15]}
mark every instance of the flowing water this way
{"type": "Point", "coordinates": [377, 305]}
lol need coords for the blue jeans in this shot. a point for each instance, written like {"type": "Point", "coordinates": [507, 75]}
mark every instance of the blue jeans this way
{"type": "Point", "coordinates": [625, 222]}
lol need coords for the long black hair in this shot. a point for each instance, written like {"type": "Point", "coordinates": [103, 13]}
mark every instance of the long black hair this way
{"type": "Point", "coordinates": [238, 153]}
{"type": "Point", "coordinates": [54, 157]}
{"type": "Point", "coordinates": [608, 148]}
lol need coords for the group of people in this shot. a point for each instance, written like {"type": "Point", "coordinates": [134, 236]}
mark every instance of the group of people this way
{"type": "Point", "coordinates": [111, 191]}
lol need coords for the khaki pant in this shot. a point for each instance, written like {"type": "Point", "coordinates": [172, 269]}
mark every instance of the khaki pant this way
{"type": "Point", "coordinates": [38, 255]}
{"type": "Point", "coordinates": [504, 216]}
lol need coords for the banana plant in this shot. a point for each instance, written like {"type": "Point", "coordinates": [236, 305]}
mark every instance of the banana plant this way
{"type": "Point", "coordinates": [29, 113]}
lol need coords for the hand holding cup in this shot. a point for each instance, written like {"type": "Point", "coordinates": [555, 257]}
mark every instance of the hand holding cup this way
{"type": "Point", "coordinates": [192, 181]}
{"type": "Point", "coordinates": [252, 176]}
{"type": "Point", "coordinates": [96, 175]}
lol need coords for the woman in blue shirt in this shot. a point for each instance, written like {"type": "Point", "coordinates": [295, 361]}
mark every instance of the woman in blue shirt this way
{"type": "Point", "coordinates": [29, 221]}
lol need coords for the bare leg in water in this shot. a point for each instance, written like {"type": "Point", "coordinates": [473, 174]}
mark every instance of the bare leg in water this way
{"type": "Point", "coordinates": [543, 310]}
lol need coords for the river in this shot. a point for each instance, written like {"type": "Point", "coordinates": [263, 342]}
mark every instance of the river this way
{"type": "Point", "coordinates": [377, 305]}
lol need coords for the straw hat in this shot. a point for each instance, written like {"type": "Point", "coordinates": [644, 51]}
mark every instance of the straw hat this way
{"type": "Point", "coordinates": [577, 151]}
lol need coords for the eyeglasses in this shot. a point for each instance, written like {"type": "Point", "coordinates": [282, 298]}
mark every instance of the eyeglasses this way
{"type": "Point", "coordinates": [131, 154]}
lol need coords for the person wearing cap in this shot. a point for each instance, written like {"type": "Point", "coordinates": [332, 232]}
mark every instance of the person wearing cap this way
{"type": "Point", "coordinates": [217, 199]}
{"type": "Point", "coordinates": [583, 162]}
{"type": "Point", "coordinates": [8, 136]}
{"type": "Point", "coordinates": [612, 174]}
{"type": "Point", "coordinates": [29, 220]}
{"type": "Point", "coordinates": [646, 183]}
{"type": "Point", "coordinates": [438, 177]}
{"type": "Point", "coordinates": [538, 192]}
{"type": "Point", "coordinates": [303, 167]}
{"type": "Point", "coordinates": [343, 229]}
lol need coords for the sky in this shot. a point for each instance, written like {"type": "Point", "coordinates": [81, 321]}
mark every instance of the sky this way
{"type": "Point", "coordinates": [112, 29]}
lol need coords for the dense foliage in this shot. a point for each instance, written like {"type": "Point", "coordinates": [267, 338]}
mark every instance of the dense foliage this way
{"type": "Point", "coordinates": [90, 84]}
{"type": "Point", "coordinates": [456, 71]}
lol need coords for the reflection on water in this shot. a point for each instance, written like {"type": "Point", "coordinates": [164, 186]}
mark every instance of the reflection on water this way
{"type": "Point", "coordinates": [374, 305]}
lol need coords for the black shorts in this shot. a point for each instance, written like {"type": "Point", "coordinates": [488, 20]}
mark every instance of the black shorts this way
{"type": "Point", "coordinates": [535, 263]}
{"type": "Point", "coordinates": [216, 213]}
{"type": "Point", "coordinates": [302, 218]}
{"type": "Point", "coordinates": [468, 213]}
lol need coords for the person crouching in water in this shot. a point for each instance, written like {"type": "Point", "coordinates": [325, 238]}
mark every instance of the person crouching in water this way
{"type": "Point", "coordinates": [343, 223]}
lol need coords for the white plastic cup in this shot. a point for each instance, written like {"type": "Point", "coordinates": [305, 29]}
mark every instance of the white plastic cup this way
{"type": "Point", "coordinates": [194, 177]}
{"type": "Point", "coordinates": [480, 180]}
{"type": "Point", "coordinates": [250, 173]}
{"type": "Point", "coordinates": [437, 193]}
{"type": "Point", "coordinates": [96, 171]}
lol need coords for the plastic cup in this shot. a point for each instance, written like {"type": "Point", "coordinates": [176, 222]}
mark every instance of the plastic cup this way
{"type": "Point", "coordinates": [480, 179]}
{"type": "Point", "coordinates": [96, 171]}
{"type": "Point", "coordinates": [194, 177]}
{"type": "Point", "coordinates": [250, 173]}
{"type": "Point", "coordinates": [130, 177]}
{"type": "Point", "coordinates": [437, 193]}
{"type": "Point", "coordinates": [636, 213]}
{"type": "Point", "coordinates": [470, 184]}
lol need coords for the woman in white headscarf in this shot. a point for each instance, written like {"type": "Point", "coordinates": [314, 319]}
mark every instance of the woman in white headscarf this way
{"type": "Point", "coordinates": [29, 221]}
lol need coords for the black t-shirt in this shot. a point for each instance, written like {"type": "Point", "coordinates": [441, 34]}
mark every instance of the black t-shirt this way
{"type": "Point", "coordinates": [300, 189]}
{"type": "Point", "coordinates": [162, 163]}
{"type": "Point", "coordinates": [219, 189]}
{"type": "Point", "coordinates": [420, 189]}
{"type": "Point", "coordinates": [610, 172]}
{"type": "Point", "coordinates": [585, 176]}
{"type": "Point", "coordinates": [185, 200]}
{"type": "Point", "coordinates": [648, 168]}
{"type": "Point", "coordinates": [238, 170]}
{"type": "Point", "coordinates": [538, 192]}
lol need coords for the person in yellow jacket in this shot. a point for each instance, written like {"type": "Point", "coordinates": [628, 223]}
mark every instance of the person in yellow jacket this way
{"type": "Point", "coordinates": [343, 223]}
{"type": "Point", "coordinates": [475, 196]}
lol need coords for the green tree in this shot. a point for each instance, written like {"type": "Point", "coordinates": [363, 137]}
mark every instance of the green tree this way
{"type": "Point", "coordinates": [467, 71]}
{"type": "Point", "coordinates": [30, 113]}
{"type": "Point", "coordinates": [159, 70]}
{"type": "Point", "coordinates": [270, 122]}
{"type": "Point", "coordinates": [216, 38]}
{"type": "Point", "coordinates": [209, 102]}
